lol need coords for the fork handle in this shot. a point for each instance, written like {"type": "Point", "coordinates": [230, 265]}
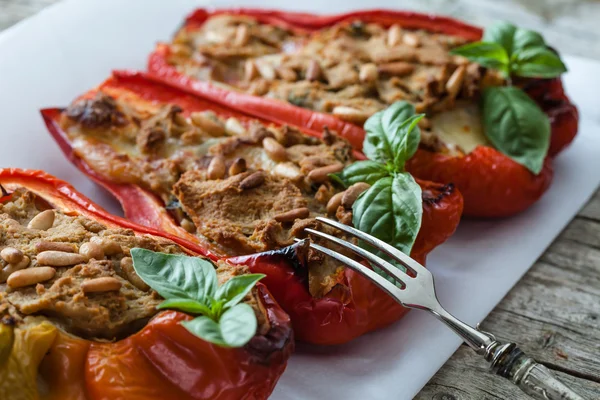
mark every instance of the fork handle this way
{"type": "Point", "coordinates": [531, 377]}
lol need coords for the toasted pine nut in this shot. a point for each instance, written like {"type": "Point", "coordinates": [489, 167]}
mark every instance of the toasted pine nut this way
{"type": "Point", "coordinates": [350, 114]}
{"type": "Point", "coordinates": [425, 123]}
{"type": "Point", "coordinates": [322, 174]}
{"type": "Point", "coordinates": [288, 170]}
{"type": "Point", "coordinates": [11, 255]}
{"type": "Point", "coordinates": [30, 276]}
{"type": "Point", "coordinates": [274, 149]}
{"type": "Point", "coordinates": [91, 250]}
{"type": "Point", "coordinates": [237, 166]}
{"type": "Point", "coordinates": [287, 74]}
{"type": "Point", "coordinates": [23, 263]}
{"type": "Point", "coordinates": [180, 50]}
{"type": "Point", "coordinates": [334, 202]}
{"type": "Point", "coordinates": [104, 284]}
{"type": "Point", "coordinates": [352, 193]}
{"type": "Point", "coordinates": [253, 180]}
{"type": "Point", "coordinates": [234, 127]}
{"type": "Point", "coordinates": [132, 276]}
{"type": "Point", "coordinates": [188, 225]}
{"type": "Point", "coordinates": [368, 73]}
{"type": "Point", "coordinates": [242, 36]}
{"type": "Point", "coordinates": [266, 70]}
{"type": "Point", "coordinates": [250, 70]}
{"type": "Point", "coordinates": [204, 121]}
{"type": "Point", "coordinates": [59, 258]}
{"type": "Point", "coordinates": [455, 81]}
{"type": "Point", "coordinates": [180, 119]}
{"type": "Point", "coordinates": [109, 246]}
{"type": "Point", "coordinates": [42, 221]}
{"type": "Point", "coordinates": [313, 71]}
{"type": "Point", "coordinates": [411, 39]}
{"type": "Point", "coordinates": [396, 68]}
{"type": "Point", "coordinates": [58, 246]}
{"type": "Point", "coordinates": [394, 35]}
{"type": "Point", "coordinates": [216, 168]}
{"type": "Point", "coordinates": [292, 215]}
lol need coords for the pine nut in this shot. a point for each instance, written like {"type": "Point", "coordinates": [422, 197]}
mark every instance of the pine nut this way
{"type": "Point", "coordinates": [350, 114]}
{"type": "Point", "coordinates": [180, 119]}
{"type": "Point", "coordinates": [180, 50]}
{"type": "Point", "coordinates": [188, 225]}
{"type": "Point", "coordinates": [59, 258]}
{"type": "Point", "coordinates": [274, 149]}
{"type": "Point", "coordinates": [42, 221]}
{"type": "Point", "coordinates": [292, 215]}
{"type": "Point", "coordinates": [132, 276]}
{"type": "Point", "coordinates": [91, 250]}
{"type": "Point", "coordinates": [110, 247]}
{"type": "Point", "coordinates": [396, 68]}
{"type": "Point", "coordinates": [368, 73]}
{"type": "Point", "coordinates": [322, 174]}
{"type": "Point", "coordinates": [11, 255]}
{"type": "Point", "coordinates": [411, 39]}
{"type": "Point", "coordinates": [30, 276]}
{"type": "Point", "coordinates": [334, 202]}
{"type": "Point", "coordinates": [253, 180]}
{"type": "Point", "coordinates": [287, 74]}
{"type": "Point", "coordinates": [455, 81]}
{"type": "Point", "coordinates": [237, 166]}
{"type": "Point", "coordinates": [394, 35]}
{"type": "Point", "coordinates": [287, 170]}
{"type": "Point", "coordinates": [250, 71]}
{"type": "Point", "coordinates": [216, 168]}
{"type": "Point", "coordinates": [234, 127]}
{"type": "Point", "coordinates": [352, 193]}
{"type": "Point", "coordinates": [207, 124]}
{"type": "Point", "coordinates": [58, 246]}
{"type": "Point", "coordinates": [266, 71]}
{"type": "Point", "coordinates": [242, 36]}
{"type": "Point", "coordinates": [23, 263]}
{"type": "Point", "coordinates": [313, 71]}
{"type": "Point", "coordinates": [104, 284]}
{"type": "Point", "coordinates": [425, 123]}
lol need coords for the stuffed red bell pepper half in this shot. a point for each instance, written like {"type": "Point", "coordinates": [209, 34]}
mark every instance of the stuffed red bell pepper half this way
{"type": "Point", "coordinates": [237, 185]}
{"type": "Point", "coordinates": [93, 306]}
{"type": "Point", "coordinates": [496, 112]}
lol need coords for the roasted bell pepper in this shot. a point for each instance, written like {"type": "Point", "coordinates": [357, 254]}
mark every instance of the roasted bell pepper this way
{"type": "Point", "coordinates": [492, 184]}
{"type": "Point", "coordinates": [356, 308]}
{"type": "Point", "coordinates": [162, 360]}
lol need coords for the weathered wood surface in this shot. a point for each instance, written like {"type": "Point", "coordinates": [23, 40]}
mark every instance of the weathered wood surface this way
{"type": "Point", "coordinates": [554, 311]}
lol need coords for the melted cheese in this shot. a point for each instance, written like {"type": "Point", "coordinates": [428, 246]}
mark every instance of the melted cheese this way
{"type": "Point", "coordinates": [460, 127]}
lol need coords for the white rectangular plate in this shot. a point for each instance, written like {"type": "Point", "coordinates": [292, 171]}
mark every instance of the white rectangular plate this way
{"type": "Point", "coordinates": [71, 47]}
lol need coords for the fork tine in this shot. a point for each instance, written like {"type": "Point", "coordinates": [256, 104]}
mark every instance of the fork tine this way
{"type": "Point", "coordinates": [373, 276]}
{"type": "Point", "coordinates": [396, 273]}
{"type": "Point", "coordinates": [379, 244]}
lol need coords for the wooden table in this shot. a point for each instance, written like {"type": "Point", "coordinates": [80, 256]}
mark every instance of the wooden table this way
{"type": "Point", "coordinates": [554, 311]}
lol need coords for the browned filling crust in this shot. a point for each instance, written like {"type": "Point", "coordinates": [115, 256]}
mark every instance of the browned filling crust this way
{"type": "Point", "coordinates": [77, 272]}
{"type": "Point", "coordinates": [241, 186]}
{"type": "Point", "coordinates": [352, 69]}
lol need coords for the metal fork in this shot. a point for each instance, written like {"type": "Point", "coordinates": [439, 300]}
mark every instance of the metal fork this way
{"type": "Point", "coordinates": [418, 291]}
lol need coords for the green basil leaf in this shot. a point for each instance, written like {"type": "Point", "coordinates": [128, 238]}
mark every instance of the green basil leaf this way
{"type": "Point", "coordinates": [487, 54]}
{"type": "Point", "coordinates": [236, 288]}
{"type": "Point", "coordinates": [186, 305]}
{"type": "Point", "coordinates": [176, 276]}
{"type": "Point", "coordinates": [524, 39]}
{"type": "Point", "coordinates": [392, 134]}
{"type": "Point", "coordinates": [538, 62]}
{"type": "Point", "coordinates": [516, 126]}
{"type": "Point", "coordinates": [502, 33]}
{"type": "Point", "coordinates": [363, 171]}
{"type": "Point", "coordinates": [391, 210]}
{"type": "Point", "coordinates": [207, 329]}
{"type": "Point", "coordinates": [238, 325]}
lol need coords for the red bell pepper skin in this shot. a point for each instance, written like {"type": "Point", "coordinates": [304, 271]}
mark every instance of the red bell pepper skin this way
{"type": "Point", "coordinates": [163, 360]}
{"type": "Point", "coordinates": [477, 177]}
{"type": "Point", "coordinates": [340, 316]}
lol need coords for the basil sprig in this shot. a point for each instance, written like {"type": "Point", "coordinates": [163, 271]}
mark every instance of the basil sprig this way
{"type": "Point", "coordinates": [512, 121]}
{"type": "Point", "coordinates": [392, 208]}
{"type": "Point", "coordinates": [189, 284]}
